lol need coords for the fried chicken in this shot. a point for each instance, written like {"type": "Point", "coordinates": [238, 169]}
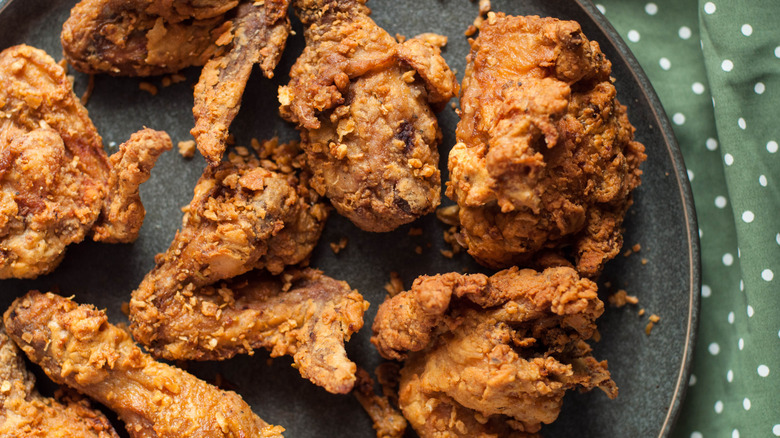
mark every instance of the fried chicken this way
{"type": "Point", "coordinates": [545, 161]}
{"type": "Point", "coordinates": [145, 37]}
{"type": "Point", "coordinates": [77, 346]}
{"type": "Point", "coordinates": [244, 217]}
{"type": "Point", "coordinates": [388, 422]}
{"type": "Point", "coordinates": [362, 102]}
{"type": "Point", "coordinates": [56, 181]}
{"type": "Point", "coordinates": [491, 355]}
{"type": "Point", "coordinates": [26, 414]}
{"type": "Point", "coordinates": [260, 34]}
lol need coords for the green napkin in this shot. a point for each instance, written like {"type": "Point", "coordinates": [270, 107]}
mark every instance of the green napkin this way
{"type": "Point", "coordinates": [716, 68]}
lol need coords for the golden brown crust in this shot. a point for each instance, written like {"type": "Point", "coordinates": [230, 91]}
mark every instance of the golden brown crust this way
{"type": "Point", "coordinates": [362, 103]}
{"type": "Point", "coordinates": [143, 37]}
{"type": "Point", "coordinates": [388, 421]}
{"type": "Point", "coordinates": [55, 178]}
{"type": "Point", "coordinates": [259, 36]}
{"type": "Point", "coordinates": [77, 346]}
{"type": "Point", "coordinates": [26, 414]}
{"type": "Point", "coordinates": [491, 355]}
{"type": "Point", "coordinates": [545, 157]}
{"type": "Point", "coordinates": [123, 213]}
{"type": "Point", "coordinates": [53, 168]}
{"type": "Point", "coordinates": [249, 215]}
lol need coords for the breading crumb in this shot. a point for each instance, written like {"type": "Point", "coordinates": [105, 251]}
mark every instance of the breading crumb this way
{"type": "Point", "coordinates": [88, 92]}
{"type": "Point", "coordinates": [596, 336]}
{"type": "Point", "coordinates": [644, 261]}
{"type": "Point", "coordinates": [148, 87]}
{"type": "Point", "coordinates": [451, 237]}
{"type": "Point", "coordinates": [448, 215]}
{"type": "Point", "coordinates": [166, 81]}
{"type": "Point", "coordinates": [636, 247]}
{"type": "Point", "coordinates": [641, 312]}
{"type": "Point", "coordinates": [418, 249]}
{"type": "Point", "coordinates": [336, 247]}
{"type": "Point", "coordinates": [176, 78]}
{"type": "Point", "coordinates": [414, 231]}
{"type": "Point", "coordinates": [621, 298]}
{"type": "Point", "coordinates": [186, 148]}
{"type": "Point", "coordinates": [395, 286]}
{"type": "Point", "coordinates": [446, 253]}
{"type": "Point", "coordinates": [125, 308]}
{"type": "Point", "coordinates": [654, 318]}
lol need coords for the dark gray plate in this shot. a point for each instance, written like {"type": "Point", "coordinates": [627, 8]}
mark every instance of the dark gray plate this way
{"type": "Point", "coordinates": [652, 371]}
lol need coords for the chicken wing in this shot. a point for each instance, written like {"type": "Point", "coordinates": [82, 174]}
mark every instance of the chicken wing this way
{"type": "Point", "coordinates": [77, 346]}
{"type": "Point", "coordinates": [362, 102]}
{"type": "Point", "coordinates": [545, 159]}
{"type": "Point", "coordinates": [144, 37]}
{"type": "Point", "coordinates": [260, 34]}
{"type": "Point", "coordinates": [55, 178]}
{"type": "Point", "coordinates": [491, 355]}
{"type": "Point", "coordinates": [26, 414]}
{"type": "Point", "coordinates": [243, 217]}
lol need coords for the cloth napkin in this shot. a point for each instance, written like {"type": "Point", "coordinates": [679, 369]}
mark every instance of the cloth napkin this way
{"type": "Point", "coordinates": [716, 68]}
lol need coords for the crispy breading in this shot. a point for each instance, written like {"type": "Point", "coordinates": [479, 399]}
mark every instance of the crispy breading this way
{"type": "Point", "coordinates": [77, 346]}
{"type": "Point", "coordinates": [545, 159]}
{"type": "Point", "coordinates": [388, 421]}
{"type": "Point", "coordinates": [362, 102]}
{"type": "Point", "coordinates": [259, 36]}
{"type": "Point", "coordinates": [491, 355]}
{"type": "Point", "coordinates": [250, 214]}
{"type": "Point", "coordinates": [55, 177]}
{"type": "Point", "coordinates": [24, 413]}
{"type": "Point", "coordinates": [144, 37]}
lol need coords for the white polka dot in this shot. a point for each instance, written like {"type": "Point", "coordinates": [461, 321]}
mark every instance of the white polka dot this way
{"type": "Point", "coordinates": [759, 88]}
{"type": "Point", "coordinates": [767, 274]}
{"type": "Point", "coordinates": [728, 259]}
{"type": "Point", "coordinates": [701, 234]}
{"type": "Point", "coordinates": [762, 180]}
{"type": "Point", "coordinates": [777, 238]}
{"type": "Point", "coordinates": [748, 216]}
{"type": "Point", "coordinates": [771, 146]}
{"type": "Point", "coordinates": [727, 65]}
{"type": "Point", "coordinates": [730, 376]}
{"type": "Point", "coordinates": [728, 159]}
{"type": "Point", "coordinates": [720, 202]}
{"type": "Point", "coordinates": [741, 344]}
{"type": "Point", "coordinates": [601, 8]}
{"type": "Point", "coordinates": [735, 433]}
{"type": "Point", "coordinates": [718, 407]}
{"type": "Point", "coordinates": [777, 52]}
{"type": "Point", "coordinates": [776, 429]}
{"type": "Point", "coordinates": [699, 435]}
{"type": "Point", "coordinates": [739, 254]}
{"type": "Point", "coordinates": [684, 32]}
{"type": "Point", "coordinates": [763, 370]}
{"type": "Point", "coordinates": [746, 404]}
{"type": "Point", "coordinates": [731, 317]}
{"type": "Point", "coordinates": [678, 118]}
{"type": "Point", "coordinates": [750, 312]}
{"type": "Point", "coordinates": [690, 175]}
{"type": "Point", "coordinates": [747, 30]}
{"type": "Point", "coordinates": [705, 291]}
{"type": "Point", "coordinates": [741, 285]}
{"type": "Point", "coordinates": [665, 63]}
{"type": "Point", "coordinates": [709, 7]}
{"type": "Point", "coordinates": [712, 144]}
{"type": "Point", "coordinates": [714, 348]}
{"type": "Point", "coordinates": [633, 36]}
{"type": "Point", "coordinates": [697, 87]}
{"type": "Point", "coordinates": [741, 122]}
{"type": "Point", "coordinates": [651, 8]}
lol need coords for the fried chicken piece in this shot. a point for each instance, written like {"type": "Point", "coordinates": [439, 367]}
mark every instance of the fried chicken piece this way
{"type": "Point", "coordinates": [362, 102]}
{"type": "Point", "coordinates": [260, 34]}
{"type": "Point", "coordinates": [388, 422]}
{"type": "Point", "coordinates": [55, 177]}
{"type": "Point", "coordinates": [246, 217]}
{"type": "Point", "coordinates": [491, 355]}
{"type": "Point", "coordinates": [145, 37]}
{"type": "Point", "coordinates": [304, 314]}
{"type": "Point", "coordinates": [77, 346]}
{"type": "Point", "coordinates": [545, 159]}
{"type": "Point", "coordinates": [26, 414]}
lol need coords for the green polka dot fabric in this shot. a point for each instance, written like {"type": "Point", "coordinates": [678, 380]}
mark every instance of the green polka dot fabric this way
{"type": "Point", "coordinates": [716, 68]}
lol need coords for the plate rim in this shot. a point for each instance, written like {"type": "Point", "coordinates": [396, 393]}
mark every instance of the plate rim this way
{"type": "Point", "coordinates": [689, 210]}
